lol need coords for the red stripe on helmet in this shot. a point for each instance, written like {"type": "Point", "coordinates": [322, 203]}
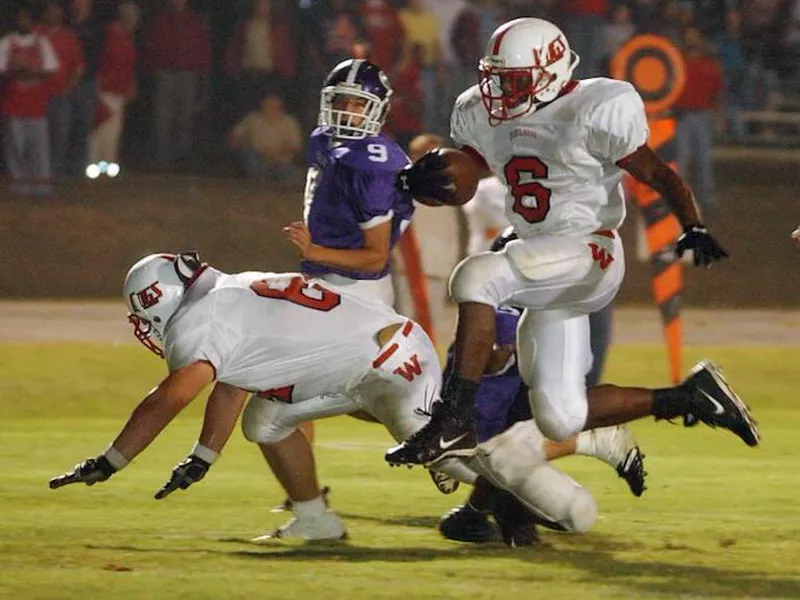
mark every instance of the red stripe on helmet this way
{"type": "Point", "coordinates": [500, 35]}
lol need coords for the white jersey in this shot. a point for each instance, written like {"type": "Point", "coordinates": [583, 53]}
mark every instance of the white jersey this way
{"type": "Point", "coordinates": [486, 214]}
{"type": "Point", "coordinates": [277, 334]}
{"type": "Point", "coordinates": [559, 162]}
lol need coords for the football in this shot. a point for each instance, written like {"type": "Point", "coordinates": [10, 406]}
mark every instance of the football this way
{"type": "Point", "coordinates": [464, 172]}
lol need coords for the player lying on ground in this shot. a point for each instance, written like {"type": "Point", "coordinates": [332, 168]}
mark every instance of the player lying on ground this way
{"type": "Point", "coordinates": [561, 147]}
{"type": "Point", "coordinates": [301, 350]}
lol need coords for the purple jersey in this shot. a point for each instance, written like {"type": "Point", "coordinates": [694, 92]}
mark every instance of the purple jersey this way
{"type": "Point", "coordinates": [497, 394]}
{"type": "Point", "coordinates": [350, 188]}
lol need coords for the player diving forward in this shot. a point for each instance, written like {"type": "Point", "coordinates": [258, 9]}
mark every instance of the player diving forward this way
{"type": "Point", "coordinates": [561, 147]}
{"type": "Point", "coordinates": [300, 349]}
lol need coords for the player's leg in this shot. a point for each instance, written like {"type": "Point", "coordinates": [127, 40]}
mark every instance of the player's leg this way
{"type": "Point", "coordinates": [273, 426]}
{"type": "Point", "coordinates": [553, 357]}
{"type": "Point", "coordinates": [450, 431]}
{"type": "Point", "coordinates": [542, 272]}
{"type": "Point", "coordinates": [399, 390]}
{"type": "Point", "coordinates": [515, 461]}
{"type": "Point", "coordinates": [600, 323]}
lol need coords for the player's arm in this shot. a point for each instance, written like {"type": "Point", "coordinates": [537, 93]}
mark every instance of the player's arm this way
{"type": "Point", "coordinates": [148, 419]}
{"type": "Point", "coordinates": [372, 257]}
{"type": "Point", "coordinates": [222, 411]}
{"type": "Point", "coordinates": [646, 166]}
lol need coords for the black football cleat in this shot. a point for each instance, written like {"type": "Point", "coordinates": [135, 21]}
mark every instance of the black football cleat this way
{"type": "Point", "coordinates": [717, 405]}
{"type": "Point", "coordinates": [446, 435]}
{"type": "Point", "coordinates": [465, 524]}
{"type": "Point", "coordinates": [632, 471]}
{"type": "Point", "coordinates": [517, 523]}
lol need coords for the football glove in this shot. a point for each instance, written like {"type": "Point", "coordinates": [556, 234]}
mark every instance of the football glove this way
{"type": "Point", "coordinates": [90, 471]}
{"type": "Point", "coordinates": [426, 178]}
{"type": "Point", "coordinates": [705, 248]}
{"type": "Point", "coordinates": [190, 470]}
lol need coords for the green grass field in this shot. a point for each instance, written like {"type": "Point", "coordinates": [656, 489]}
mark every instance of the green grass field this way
{"type": "Point", "coordinates": [719, 520]}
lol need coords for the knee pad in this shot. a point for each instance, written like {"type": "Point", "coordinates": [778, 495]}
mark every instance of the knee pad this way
{"type": "Point", "coordinates": [473, 279]}
{"type": "Point", "coordinates": [261, 422]}
{"type": "Point", "coordinates": [515, 461]}
{"type": "Point", "coordinates": [560, 413]}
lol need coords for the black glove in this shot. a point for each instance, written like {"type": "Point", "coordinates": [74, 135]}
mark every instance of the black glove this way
{"type": "Point", "coordinates": [189, 471]}
{"type": "Point", "coordinates": [705, 248]}
{"type": "Point", "coordinates": [90, 471]}
{"type": "Point", "coordinates": [426, 178]}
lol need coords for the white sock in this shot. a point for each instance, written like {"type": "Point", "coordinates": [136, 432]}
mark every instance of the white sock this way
{"type": "Point", "coordinates": [309, 508]}
{"type": "Point", "coordinates": [585, 444]}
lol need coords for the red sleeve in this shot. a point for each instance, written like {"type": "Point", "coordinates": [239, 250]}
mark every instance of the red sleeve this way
{"type": "Point", "coordinates": [476, 156]}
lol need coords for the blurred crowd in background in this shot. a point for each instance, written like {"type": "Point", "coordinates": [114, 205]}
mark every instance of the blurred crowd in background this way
{"type": "Point", "coordinates": [232, 86]}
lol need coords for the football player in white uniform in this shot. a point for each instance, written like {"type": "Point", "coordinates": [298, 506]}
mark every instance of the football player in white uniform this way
{"type": "Point", "coordinates": [302, 349]}
{"type": "Point", "coordinates": [561, 147]}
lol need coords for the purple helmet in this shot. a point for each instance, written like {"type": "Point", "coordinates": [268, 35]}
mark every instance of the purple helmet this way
{"type": "Point", "coordinates": [361, 79]}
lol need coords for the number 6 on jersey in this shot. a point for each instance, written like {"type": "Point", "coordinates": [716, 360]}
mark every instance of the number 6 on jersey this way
{"type": "Point", "coordinates": [532, 168]}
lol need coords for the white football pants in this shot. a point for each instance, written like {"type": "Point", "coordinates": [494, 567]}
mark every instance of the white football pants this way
{"type": "Point", "coordinates": [397, 389]}
{"type": "Point", "coordinates": [558, 281]}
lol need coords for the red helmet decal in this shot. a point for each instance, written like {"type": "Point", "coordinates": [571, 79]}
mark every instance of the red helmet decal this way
{"type": "Point", "coordinates": [555, 51]}
{"type": "Point", "coordinates": [148, 297]}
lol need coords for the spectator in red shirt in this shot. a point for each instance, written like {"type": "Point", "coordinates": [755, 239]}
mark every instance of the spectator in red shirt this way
{"type": "Point", "coordinates": [178, 52]}
{"type": "Point", "coordinates": [71, 67]}
{"type": "Point", "coordinates": [699, 110]}
{"type": "Point", "coordinates": [27, 60]}
{"type": "Point", "coordinates": [116, 83]}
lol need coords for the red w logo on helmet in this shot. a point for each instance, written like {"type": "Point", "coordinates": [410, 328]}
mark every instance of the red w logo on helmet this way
{"type": "Point", "coordinates": [555, 51]}
{"type": "Point", "coordinates": [149, 296]}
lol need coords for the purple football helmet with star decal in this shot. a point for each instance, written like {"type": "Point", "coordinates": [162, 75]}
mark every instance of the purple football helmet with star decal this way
{"type": "Point", "coordinates": [355, 78]}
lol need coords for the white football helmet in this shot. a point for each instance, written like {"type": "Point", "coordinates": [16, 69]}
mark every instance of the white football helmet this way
{"type": "Point", "coordinates": [153, 290]}
{"type": "Point", "coordinates": [528, 62]}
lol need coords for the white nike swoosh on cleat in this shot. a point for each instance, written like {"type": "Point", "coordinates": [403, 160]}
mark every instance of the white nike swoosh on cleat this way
{"type": "Point", "coordinates": [719, 409]}
{"type": "Point", "coordinates": [444, 445]}
{"type": "Point", "coordinates": [630, 459]}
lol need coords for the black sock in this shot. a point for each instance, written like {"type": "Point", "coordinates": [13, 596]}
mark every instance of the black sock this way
{"type": "Point", "coordinates": [669, 403]}
{"type": "Point", "coordinates": [459, 393]}
{"type": "Point", "coordinates": [483, 496]}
